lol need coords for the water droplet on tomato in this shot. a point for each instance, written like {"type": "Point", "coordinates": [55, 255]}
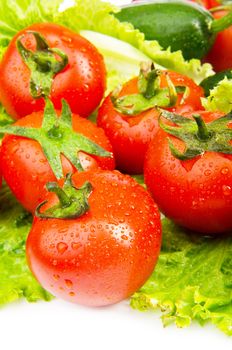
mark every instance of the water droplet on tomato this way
{"type": "Point", "coordinates": [75, 245]}
{"type": "Point", "coordinates": [68, 283]}
{"type": "Point", "coordinates": [56, 277]}
{"type": "Point", "coordinates": [224, 171]}
{"type": "Point", "coordinates": [207, 172]}
{"type": "Point", "coordinates": [226, 190]}
{"type": "Point", "coordinates": [61, 247]}
{"type": "Point", "coordinates": [72, 294]}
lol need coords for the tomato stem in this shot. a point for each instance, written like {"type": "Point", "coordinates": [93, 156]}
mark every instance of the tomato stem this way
{"type": "Point", "coordinates": [222, 23]}
{"type": "Point", "coordinates": [73, 202]}
{"type": "Point", "coordinates": [42, 63]}
{"type": "Point", "coordinates": [203, 133]}
{"type": "Point", "coordinates": [63, 198]}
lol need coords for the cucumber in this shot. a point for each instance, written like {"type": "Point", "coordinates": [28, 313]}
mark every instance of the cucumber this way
{"type": "Point", "coordinates": [180, 25]}
{"type": "Point", "coordinates": [210, 82]}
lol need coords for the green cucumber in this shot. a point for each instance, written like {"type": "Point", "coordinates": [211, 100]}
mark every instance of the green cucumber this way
{"type": "Point", "coordinates": [212, 81]}
{"type": "Point", "coordinates": [180, 25]}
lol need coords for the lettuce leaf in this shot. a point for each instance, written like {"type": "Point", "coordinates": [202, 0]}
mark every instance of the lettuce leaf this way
{"type": "Point", "coordinates": [95, 16]}
{"type": "Point", "coordinates": [220, 98]}
{"type": "Point", "coordinates": [192, 280]}
{"type": "Point", "coordinates": [16, 280]}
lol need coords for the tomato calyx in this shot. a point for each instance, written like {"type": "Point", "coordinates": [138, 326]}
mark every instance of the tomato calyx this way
{"type": "Point", "coordinates": [198, 136]}
{"type": "Point", "coordinates": [73, 202]}
{"type": "Point", "coordinates": [56, 137]}
{"type": "Point", "coordinates": [43, 64]}
{"type": "Point", "coordinates": [150, 94]}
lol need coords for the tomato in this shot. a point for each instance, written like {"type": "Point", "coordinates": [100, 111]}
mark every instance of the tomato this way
{"type": "Point", "coordinates": [106, 254]}
{"type": "Point", "coordinates": [195, 193]}
{"type": "Point", "coordinates": [220, 55]}
{"type": "Point", "coordinates": [130, 136]}
{"type": "Point", "coordinates": [26, 169]}
{"type": "Point", "coordinates": [81, 83]}
{"type": "Point", "coordinates": [208, 4]}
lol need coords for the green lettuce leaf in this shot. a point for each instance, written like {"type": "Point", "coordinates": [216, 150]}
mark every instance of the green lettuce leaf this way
{"type": "Point", "coordinates": [192, 280]}
{"type": "Point", "coordinates": [16, 280]}
{"type": "Point", "coordinates": [220, 98]}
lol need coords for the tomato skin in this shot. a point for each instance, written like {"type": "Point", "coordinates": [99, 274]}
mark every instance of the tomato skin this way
{"type": "Point", "coordinates": [26, 169]}
{"type": "Point", "coordinates": [220, 55]}
{"type": "Point", "coordinates": [195, 193]}
{"type": "Point", "coordinates": [130, 136]}
{"type": "Point", "coordinates": [81, 83]}
{"type": "Point", "coordinates": [106, 254]}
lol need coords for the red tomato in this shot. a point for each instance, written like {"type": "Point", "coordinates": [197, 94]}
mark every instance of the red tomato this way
{"type": "Point", "coordinates": [106, 254]}
{"type": "Point", "coordinates": [195, 193]}
{"type": "Point", "coordinates": [220, 55]}
{"type": "Point", "coordinates": [81, 83]}
{"type": "Point", "coordinates": [208, 4]}
{"type": "Point", "coordinates": [26, 169]}
{"type": "Point", "coordinates": [130, 136]}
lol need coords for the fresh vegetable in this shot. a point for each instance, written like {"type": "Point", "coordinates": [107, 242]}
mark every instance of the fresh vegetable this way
{"type": "Point", "coordinates": [220, 55]}
{"type": "Point", "coordinates": [220, 97]}
{"type": "Point", "coordinates": [96, 16]}
{"type": "Point", "coordinates": [129, 120]}
{"type": "Point", "coordinates": [189, 173]}
{"type": "Point", "coordinates": [16, 280]}
{"type": "Point", "coordinates": [192, 280]}
{"type": "Point", "coordinates": [43, 147]}
{"type": "Point", "coordinates": [49, 60]}
{"type": "Point", "coordinates": [209, 83]}
{"type": "Point", "coordinates": [99, 243]}
{"type": "Point", "coordinates": [189, 297]}
{"type": "Point", "coordinates": [180, 25]}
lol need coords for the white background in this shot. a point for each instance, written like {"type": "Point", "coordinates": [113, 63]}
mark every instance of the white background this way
{"type": "Point", "coordinates": [59, 325]}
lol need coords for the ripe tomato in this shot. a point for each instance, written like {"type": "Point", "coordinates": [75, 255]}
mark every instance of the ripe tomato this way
{"type": "Point", "coordinates": [26, 169]}
{"type": "Point", "coordinates": [104, 255]}
{"type": "Point", "coordinates": [81, 83]}
{"type": "Point", "coordinates": [208, 4]}
{"type": "Point", "coordinates": [220, 55]}
{"type": "Point", "coordinates": [195, 193]}
{"type": "Point", "coordinates": [130, 136]}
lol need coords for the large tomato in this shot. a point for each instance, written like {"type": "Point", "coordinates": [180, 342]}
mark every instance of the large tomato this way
{"type": "Point", "coordinates": [220, 55]}
{"type": "Point", "coordinates": [195, 193]}
{"type": "Point", "coordinates": [81, 83]}
{"type": "Point", "coordinates": [26, 169]}
{"type": "Point", "coordinates": [130, 135]}
{"type": "Point", "coordinates": [104, 255]}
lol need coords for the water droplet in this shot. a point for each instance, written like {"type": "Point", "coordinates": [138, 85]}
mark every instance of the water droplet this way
{"type": "Point", "coordinates": [224, 171]}
{"type": "Point", "coordinates": [68, 283]}
{"type": "Point", "coordinates": [72, 294]}
{"type": "Point", "coordinates": [75, 245]}
{"type": "Point", "coordinates": [207, 172]}
{"type": "Point", "coordinates": [61, 247]}
{"type": "Point", "coordinates": [56, 277]}
{"type": "Point", "coordinates": [226, 190]}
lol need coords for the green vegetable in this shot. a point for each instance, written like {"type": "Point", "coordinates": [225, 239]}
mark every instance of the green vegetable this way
{"type": "Point", "coordinates": [185, 283]}
{"type": "Point", "coordinates": [220, 98]}
{"type": "Point", "coordinates": [177, 24]}
{"type": "Point", "coordinates": [212, 81]}
{"type": "Point", "coordinates": [16, 280]}
{"type": "Point", "coordinates": [192, 280]}
{"type": "Point", "coordinates": [96, 16]}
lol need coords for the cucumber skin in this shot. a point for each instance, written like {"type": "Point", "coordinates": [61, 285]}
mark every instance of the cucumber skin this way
{"type": "Point", "coordinates": [179, 25]}
{"type": "Point", "coordinates": [212, 81]}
